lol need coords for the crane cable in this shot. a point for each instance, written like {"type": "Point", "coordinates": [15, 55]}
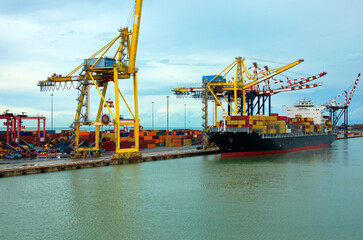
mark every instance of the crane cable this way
{"type": "Point", "coordinates": [269, 61]}
{"type": "Point", "coordinates": [130, 17]}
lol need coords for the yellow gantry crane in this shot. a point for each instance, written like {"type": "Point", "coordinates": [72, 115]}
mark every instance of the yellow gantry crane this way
{"type": "Point", "coordinates": [215, 88]}
{"type": "Point", "coordinates": [99, 71]}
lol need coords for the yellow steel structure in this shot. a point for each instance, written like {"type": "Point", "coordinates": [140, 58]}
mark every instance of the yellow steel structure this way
{"type": "Point", "coordinates": [123, 67]}
{"type": "Point", "coordinates": [243, 80]}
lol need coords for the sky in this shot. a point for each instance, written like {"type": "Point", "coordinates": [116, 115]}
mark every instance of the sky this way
{"type": "Point", "coordinates": [179, 42]}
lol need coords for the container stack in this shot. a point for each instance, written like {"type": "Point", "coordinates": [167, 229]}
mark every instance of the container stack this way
{"type": "Point", "coordinates": [157, 138]}
{"type": "Point", "coordinates": [147, 138]}
{"type": "Point", "coordinates": [274, 124]}
{"type": "Point", "coordinates": [305, 125]}
{"type": "Point", "coordinates": [262, 124]}
{"type": "Point", "coordinates": [328, 124]}
{"type": "Point", "coordinates": [31, 137]}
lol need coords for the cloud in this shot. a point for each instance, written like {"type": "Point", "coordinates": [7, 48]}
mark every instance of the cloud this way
{"type": "Point", "coordinates": [354, 56]}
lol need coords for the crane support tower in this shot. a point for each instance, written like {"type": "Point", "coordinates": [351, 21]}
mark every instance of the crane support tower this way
{"type": "Point", "coordinates": [338, 109]}
{"type": "Point", "coordinates": [99, 71]}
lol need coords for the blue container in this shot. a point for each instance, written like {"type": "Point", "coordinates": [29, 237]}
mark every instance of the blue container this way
{"type": "Point", "coordinates": [26, 134]}
{"type": "Point", "coordinates": [50, 131]}
{"type": "Point", "coordinates": [103, 62]}
{"type": "Point", "coordinates": [124, 134]}
{"type": "Point", "coordinates": [216, 80]}
{"type": "Point", "coordinates": [2, 132]}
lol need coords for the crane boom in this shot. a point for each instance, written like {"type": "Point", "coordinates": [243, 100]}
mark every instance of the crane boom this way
{"type": "Point", "coordinates": [353, 90]}
{"type": "Point", "coordinates": [135, 35]}
{"type": "Point", "coordinates": [268, 76]}
{"type": "Point", "coordinates": [309, 79]}
{"type": "Point", "coordinates": [271, 92]}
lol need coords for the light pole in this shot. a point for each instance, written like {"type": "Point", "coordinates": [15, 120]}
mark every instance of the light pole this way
{"type": "Point", "coordinates": [185, 116]}
{"type": "Point", "coordinates": [152, 116]}
{"type": "Point", "coordinates": [51, 97]}
{"type": "Point", "coordinates": [167, 112]}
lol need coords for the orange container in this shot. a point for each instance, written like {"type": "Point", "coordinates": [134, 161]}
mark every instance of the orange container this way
{"type": "Point", "coordinates": [151, 146]}
{"type": "Point", "coordinates": [148, 138]}
{"type": "Point", "coordinates": [177, 140]}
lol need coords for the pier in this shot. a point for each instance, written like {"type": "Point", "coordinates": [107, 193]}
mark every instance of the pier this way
{"type": "Point", "coordinates": [10, 168]}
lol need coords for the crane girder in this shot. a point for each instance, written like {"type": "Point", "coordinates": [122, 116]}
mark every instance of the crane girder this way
{"type": "Point", "coordinates": [239, 85]}
{"type": "Point", "coordinates": [78, 78]}
{"type": "Point", "coordinates": [274, 73]}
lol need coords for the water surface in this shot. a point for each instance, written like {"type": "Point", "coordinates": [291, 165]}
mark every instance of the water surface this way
{"type": "Point", "coordinates": [315, 194]}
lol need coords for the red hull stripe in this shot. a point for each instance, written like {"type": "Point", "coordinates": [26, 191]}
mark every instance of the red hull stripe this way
{"type": "Point", "coordinates": [256, 153]}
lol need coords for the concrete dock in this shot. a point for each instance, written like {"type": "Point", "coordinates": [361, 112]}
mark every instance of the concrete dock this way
{"type": "Point", "coordinates": [42, 165]}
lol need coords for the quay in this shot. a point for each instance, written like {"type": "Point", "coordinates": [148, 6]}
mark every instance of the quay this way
{"type": "Point", "coordinates": [10, 168]}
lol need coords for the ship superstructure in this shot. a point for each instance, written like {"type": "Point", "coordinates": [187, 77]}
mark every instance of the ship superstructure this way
{"type": "Point", "coordinates": [307, 109]}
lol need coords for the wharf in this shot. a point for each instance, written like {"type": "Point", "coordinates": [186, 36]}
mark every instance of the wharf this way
{"type": "Point", "coordinates": [352, 136]}
{"type": "Point", "coordinates": [42, 165]}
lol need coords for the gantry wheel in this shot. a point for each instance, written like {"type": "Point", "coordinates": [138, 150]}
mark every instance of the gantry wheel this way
{"type": "Point", "coordinates": [77, 155]}
{"type": "Point", "coordinates": [96, 154]}
{"type": "Point", "coordinates": [136, 155]}
{"type": "Point", "coordinates": [126, 155]}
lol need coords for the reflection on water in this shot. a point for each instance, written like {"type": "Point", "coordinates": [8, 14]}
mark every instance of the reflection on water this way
{"type": "Point", "coordinates": [303, 195]}
{"type": "Point", "coordinates": [312, 156]}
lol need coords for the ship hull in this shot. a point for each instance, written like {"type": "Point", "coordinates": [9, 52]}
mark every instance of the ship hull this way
{"type": "Point", "coordinates": [233, 144]}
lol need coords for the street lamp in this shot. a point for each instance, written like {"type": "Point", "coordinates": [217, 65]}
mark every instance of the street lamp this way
{"type": "Point", "coordinates": [152, 117]}
{"type": "Point", "coordinates": [51, 97]}
{"type": "Point", "coordinates": [167, 112]}
{"type": "Point", "coordinates": [185, 116]}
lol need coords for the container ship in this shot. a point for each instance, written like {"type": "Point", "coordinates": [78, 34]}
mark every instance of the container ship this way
{"type": "Point", "coordinates": [260, 135]}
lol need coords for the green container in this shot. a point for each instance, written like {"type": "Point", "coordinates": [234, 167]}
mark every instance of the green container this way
{"type": "Point", "coordinates": [160, 134]}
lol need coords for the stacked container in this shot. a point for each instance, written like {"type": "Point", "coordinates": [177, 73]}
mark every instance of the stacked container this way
{"type": "Point", "coordinates": [274, 124]}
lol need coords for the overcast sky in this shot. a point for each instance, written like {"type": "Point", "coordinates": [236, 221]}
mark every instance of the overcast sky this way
{"type": "Point", "coordinates": [180, 41]}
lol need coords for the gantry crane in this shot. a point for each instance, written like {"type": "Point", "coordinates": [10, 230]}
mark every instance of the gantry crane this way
{"type": "Point", "coordinates": [338, 109]}
{"type": "Point", "coordinates": [100, 71]}
{"type": "Point", "coordinates": [243, 89]}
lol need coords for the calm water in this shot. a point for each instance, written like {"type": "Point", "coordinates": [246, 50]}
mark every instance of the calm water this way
{"type": "Point", "coordinates": [308, 195]}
